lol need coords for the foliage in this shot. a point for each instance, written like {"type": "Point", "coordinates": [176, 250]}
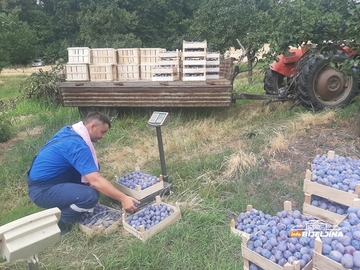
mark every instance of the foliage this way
{"type": "Point", "coordinates": [6, 130]}
{"type": "Point", "coordinates": [44, 85]}
{"type": "Point", "coordinates": [17, 40]}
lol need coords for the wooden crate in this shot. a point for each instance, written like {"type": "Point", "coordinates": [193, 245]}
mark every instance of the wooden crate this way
{"type": "Point", "coordinates": [103, 56]}
{"type": "Point", "coordinates": [212, 58]}
{"type": "Point", "coordinates": [162, 225]}
{"type": "Point", "coordinates": [78, 55]}
{"type": "Point", "coordinates": [194, 45]}
{"type": "Point", "coordinates": [146, 71]}
{"type": "Point", "coordinates": [165, 77]}
{"type": "Point", "coordinates": [321, 262]}
{"type": "Point", "coordinates": [287, 207]}
{"type": "Point", "coordinates": [103, 72]}
{"type": "Point", "coordinates": [212, 76]}
{"type": "Point", "coordinates": [128, 72]}
{"type": "Point", "coordinates": [251, 256]}
{"type": "Point", "coordinates": [128, 56]}
{"type": "Point", "coordinates": [149, 55]}
{"type": "Point", "coordinates": [139, 193]}
{"type": "Point", "coordinates": [97, 230]}
{"type": "Point", "coordinates": [77, 72]}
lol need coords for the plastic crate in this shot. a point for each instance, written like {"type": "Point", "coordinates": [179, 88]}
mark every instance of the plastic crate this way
{"type": "Point", "coordinates": [78, 55]}
{"type": "Point", "coordinates": [102, 72]}
{"type": "Point", "coordinates": [77, 72]}
{"type": "Point", "coordinates": [128, 56]}
{"type": "Point", "coordinates": [143, 234]}
{"type": "Point", "coordinates": [128, 72]}
{"type": "Point", "coordinates": [103, 56]}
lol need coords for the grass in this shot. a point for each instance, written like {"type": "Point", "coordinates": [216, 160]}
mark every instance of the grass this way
{"type": "Point", "coordinates": [218, 161]}
{"type": "Point", "coordinates": [9, 86]}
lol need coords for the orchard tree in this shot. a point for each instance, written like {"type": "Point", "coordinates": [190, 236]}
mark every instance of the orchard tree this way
{"type": "Point", "coordinates": [221, 23]}
{"type": "Point", "coordinates": [106, 24]}
{"type": "Point", "coordinates": [17, 41]}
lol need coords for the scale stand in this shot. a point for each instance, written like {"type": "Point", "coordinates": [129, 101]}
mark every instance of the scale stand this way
{"type": "Point", "coordinates": [157, 120]}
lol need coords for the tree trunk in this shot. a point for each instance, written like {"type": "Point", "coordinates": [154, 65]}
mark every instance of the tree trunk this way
{"type": "Point", "coordinates": [249, 66]}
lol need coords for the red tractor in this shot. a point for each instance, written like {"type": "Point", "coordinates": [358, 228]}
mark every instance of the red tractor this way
{"type": "Point", "coordinates": [313, 77]}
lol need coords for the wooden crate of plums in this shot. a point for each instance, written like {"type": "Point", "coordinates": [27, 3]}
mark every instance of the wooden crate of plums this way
{"type": "Point", "coordinates": [138, 184]}
{"type": "Point", "coordinates": [103, 220]}
{"type": "Point", "coordinates": [151, 220]}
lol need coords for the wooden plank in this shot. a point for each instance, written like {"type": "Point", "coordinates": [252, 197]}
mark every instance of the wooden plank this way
{"type": "Point", "coordinates": [324, 215]}
{"type": "Point", "coordinates": [329, 193]}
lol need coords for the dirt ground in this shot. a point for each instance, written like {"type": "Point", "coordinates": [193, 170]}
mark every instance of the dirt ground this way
{"type": "Point", "coordinates": [23, 70]}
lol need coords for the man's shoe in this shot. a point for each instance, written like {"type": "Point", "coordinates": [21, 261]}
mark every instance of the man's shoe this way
{"type": "Point", "coordinates": [64, 229]}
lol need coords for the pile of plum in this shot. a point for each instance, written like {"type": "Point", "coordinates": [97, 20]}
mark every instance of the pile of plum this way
{"type": "Point", "coordinates": [345, 249]}
{"type": "Point", "coordinates": [342, 173]}
{"type": "Point", "coordinates": [273, 240]}
{"type": "Point", "coordinates": [149, 216]}
{"type": "Point", "coordinates": [131, 180]}
{"type": "Point", "coordinates": [270, 237]}
{"type": "Point", "coordinates": [328, 205]}
{"type": "Point", "coordinates": [101, 216]}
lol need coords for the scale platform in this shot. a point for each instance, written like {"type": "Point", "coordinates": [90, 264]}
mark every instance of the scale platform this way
{"type": "Point", "coordinates": [151, 198]}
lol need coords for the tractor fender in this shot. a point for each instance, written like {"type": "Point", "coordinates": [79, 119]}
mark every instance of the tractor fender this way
{"type": "Point", "coordinates": [286, 64]}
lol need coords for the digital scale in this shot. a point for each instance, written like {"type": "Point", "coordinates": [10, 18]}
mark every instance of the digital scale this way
{"type": "Point", "coordinates": [157, 120]}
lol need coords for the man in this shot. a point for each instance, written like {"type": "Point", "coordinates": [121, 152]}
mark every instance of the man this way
{"type": "Point", "coordinates": [65, 172]}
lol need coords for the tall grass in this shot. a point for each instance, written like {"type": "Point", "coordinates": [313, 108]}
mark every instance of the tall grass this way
{"type": "Point", "coordinates": [218, 162]}
{"type": "Point", "coordinates": [9, 86]}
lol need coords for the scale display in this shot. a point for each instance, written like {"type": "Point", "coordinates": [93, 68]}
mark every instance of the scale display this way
{"type": "Point", "coordinates": [158, 119]}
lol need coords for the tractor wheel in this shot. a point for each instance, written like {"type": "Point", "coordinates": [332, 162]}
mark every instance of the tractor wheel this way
{"type": "Point", "coordinates": [319, 86]}
{"type": "Point", "coordinates": [273, 81]}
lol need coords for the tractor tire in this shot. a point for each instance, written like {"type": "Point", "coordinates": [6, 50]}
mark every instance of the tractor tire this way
{"type": "Point", "coordinates": [319, 86]}
{"type": "Point", "coordinates": [273, 81]}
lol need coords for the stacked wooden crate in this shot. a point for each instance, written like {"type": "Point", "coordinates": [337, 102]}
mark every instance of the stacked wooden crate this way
{"type": "Point", "coordinates": [312, 188]}
{"type": "Point", "coordinates": [128, 64]}
{"type": "Point", "coordinates": [103, 64]}
{"type": "Point", "coordinates": [148, 60]}
{"type": "Point", "coordinates": [212, 65]}
{"type": "Point", "coordinates": [194, 60]}
{"type": "Point", "coordinates": [77, 67]}
{"type": "Point", "coordinates": [167, 66]}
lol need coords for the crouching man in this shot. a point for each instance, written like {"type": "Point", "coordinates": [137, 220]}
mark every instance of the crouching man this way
{"type": "Point", "coordinates": [65, 172]}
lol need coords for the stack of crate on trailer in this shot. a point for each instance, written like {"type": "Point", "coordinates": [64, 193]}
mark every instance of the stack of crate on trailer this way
{"type": "Point", "coordinates": [103, 64]}
{"type": "Point", "coordinates": [148, 60]}
{"type": "Point", "coordinates": [128, 64]}
{"type": "Point", "coordinates": [194, 60]}
{"type": "Point", "coordinates": [212, 65]}
{"type": "Point", "coordinates": [77, 67]}
{"type": "Point", "coordinates": [167, 66]}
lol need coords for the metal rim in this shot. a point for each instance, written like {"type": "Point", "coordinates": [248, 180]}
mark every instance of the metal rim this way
{"type": "Point", "coordinates": [331, 86]}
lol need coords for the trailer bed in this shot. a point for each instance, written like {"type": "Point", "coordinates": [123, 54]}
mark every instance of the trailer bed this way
{"type": "Point", "coordinates": [211, 93]}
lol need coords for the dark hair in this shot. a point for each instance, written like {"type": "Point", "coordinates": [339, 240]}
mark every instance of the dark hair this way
{"type": "Point", "coordinates": [97, 116]}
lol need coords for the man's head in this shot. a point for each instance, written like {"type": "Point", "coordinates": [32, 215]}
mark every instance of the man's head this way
{"type": "Point", "coordinates": [97, 125]}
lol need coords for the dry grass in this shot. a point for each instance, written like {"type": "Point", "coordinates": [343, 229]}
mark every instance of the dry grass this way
{"type": "Point", "coordinates": [238, 163]}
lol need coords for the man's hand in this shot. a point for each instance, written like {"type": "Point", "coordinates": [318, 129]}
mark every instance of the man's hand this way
{"type": "Point", "coordinates": [128, 203]}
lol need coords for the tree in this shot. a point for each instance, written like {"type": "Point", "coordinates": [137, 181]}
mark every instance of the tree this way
{"type": "Point", "coordinates": [17, 40]}
{"type": "Point", "coordinates": [105, 24]}
{"type": "Point", "coordinates": [222, 22]}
